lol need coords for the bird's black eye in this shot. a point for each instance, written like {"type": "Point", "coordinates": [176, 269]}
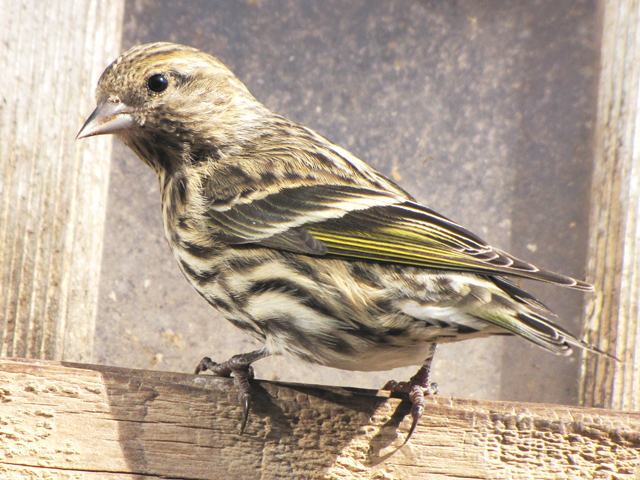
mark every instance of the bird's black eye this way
{"type": "Point", "coordinates": [157, 83]}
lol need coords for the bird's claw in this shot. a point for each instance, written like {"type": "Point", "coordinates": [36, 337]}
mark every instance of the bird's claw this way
{"type": "Point", "coordinates": [242, 376]}
{"type": "Point", "coordinates": [207, 364]}
{"type": "Point", "coordinates": [405, 387]}
{"type": "Point", "coordinates": [391, 386]}
{"type": "Point", "coordinates": [416, 393]}
{"type": "Point", "coordinates": [245, 399]}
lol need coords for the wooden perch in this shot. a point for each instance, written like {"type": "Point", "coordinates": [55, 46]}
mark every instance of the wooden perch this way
{"type": "Point", "coordinates": [71, 420]}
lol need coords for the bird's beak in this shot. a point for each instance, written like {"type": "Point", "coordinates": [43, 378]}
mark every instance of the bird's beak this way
{"type": "Point", "coordinates": [108, 117]}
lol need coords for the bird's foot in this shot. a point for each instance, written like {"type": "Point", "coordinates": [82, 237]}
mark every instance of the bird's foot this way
{"type": "Point", "coordinates": [405, 387]}
{"type": "Point", "coordinates": [417, 388]}
{"type": "Point", "coordinates": [242, 372]}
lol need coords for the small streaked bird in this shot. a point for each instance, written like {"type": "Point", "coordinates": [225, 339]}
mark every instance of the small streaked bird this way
{"type": "Point", "coordinates": [298, 242]}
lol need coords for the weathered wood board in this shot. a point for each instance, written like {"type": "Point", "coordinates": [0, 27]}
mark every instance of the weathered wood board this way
{"type": "Point", "coordinates": [85, 421]}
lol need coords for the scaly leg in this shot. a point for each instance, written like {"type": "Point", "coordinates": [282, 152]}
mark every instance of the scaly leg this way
{"type": "Point", "coordinates": [417, 387]}
{"type": "Point", "coordinates": [240, 367]}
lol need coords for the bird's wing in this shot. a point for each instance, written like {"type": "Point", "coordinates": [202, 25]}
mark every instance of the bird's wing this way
{"type": "Point", "coordinates": [361, 223]}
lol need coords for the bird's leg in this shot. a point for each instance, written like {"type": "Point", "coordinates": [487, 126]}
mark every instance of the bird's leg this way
{"type": "Point", "coordinates": [240, 367]}
{"type": "Point", "coordinates": [417, 387]}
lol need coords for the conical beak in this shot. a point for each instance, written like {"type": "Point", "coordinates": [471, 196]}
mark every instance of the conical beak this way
{"type": "Point", "coordinates": [108, 117]}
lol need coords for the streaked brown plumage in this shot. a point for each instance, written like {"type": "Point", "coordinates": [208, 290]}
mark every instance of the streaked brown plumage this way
{"type": "Point", "coordinates": [299, 243]}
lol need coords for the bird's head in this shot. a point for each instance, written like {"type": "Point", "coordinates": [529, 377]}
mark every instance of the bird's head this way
{"type": "Point", "coordinates": [169, 100]}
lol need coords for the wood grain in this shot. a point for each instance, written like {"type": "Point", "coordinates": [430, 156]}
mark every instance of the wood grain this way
{"type": "Point", "coordinates": [83, 421]}
{"type": "Point", "coordinates": [52, 188]}
{"type": "Point", "coordinates": [613, 314]}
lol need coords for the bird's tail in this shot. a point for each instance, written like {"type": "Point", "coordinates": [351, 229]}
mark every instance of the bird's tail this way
{"type": "Point", "coordinates": [532, 320]}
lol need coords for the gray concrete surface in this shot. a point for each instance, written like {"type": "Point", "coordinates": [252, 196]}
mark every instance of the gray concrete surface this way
{"type": "Point", "coordinates": [481, 109]}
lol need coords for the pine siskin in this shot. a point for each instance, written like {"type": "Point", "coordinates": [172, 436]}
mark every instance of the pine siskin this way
{"type": "Point", "coordinates": [298, 242]}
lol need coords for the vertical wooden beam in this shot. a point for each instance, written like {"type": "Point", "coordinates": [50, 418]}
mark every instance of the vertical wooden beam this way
{"type": "Point", "coordinates": [613, 315]}
{"type": "Point", "coordinates": [52, 189]}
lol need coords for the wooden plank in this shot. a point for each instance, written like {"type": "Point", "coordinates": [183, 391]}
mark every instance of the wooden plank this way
{"type": "Point", "coordinates": [52, 189]}
{"type": "Point", "coordinates": [83, 421]}
{"type": "Point", "coordinates": [613, 314]}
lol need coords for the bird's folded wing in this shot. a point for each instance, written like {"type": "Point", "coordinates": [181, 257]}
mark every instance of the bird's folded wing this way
{"type": "Point", "coordinates": [366, 224]}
